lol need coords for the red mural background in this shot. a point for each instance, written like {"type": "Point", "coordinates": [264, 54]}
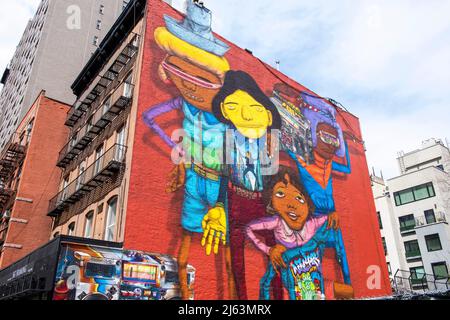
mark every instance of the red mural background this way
{"type": "Point", "coordinates": [153, 216]}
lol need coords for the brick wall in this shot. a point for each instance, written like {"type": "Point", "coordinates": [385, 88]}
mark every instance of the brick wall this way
{"type": "Point", "coordinates": [153, 216]}
{"type": "Point", "coordinates": [39, 181]}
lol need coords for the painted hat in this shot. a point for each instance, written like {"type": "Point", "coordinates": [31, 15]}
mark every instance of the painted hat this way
{"type": "Point", "coordinates": [195, 29]}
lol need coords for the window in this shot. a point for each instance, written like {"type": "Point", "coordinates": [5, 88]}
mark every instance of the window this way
{"type": "Point", "coordinates": [99, 24]}
{"type": "Point", "coordinates": [128, 87]}
{"type": "Point", "coordinates": [403, 197]}
{"type": "Point", "coordinates": [417, 275]}
{"type": "Point", "coordinates": [89, 123]}
{"type": "Point", "coordinates": [88, 224]}
{"type": "Point", "coordinates": [64, 188]}
{"type": "Point", "coordinates": [407, 223]}
{"type": "Point", "coordinates": [430, 216]}
{"type": "Point", "coordinates": [412, 249]}
{"type": "Point", "coordinates": [418, 193]}
{"type": "Point", "coordinates": [98, 160]}
{"type": "Point", "coordinates": [29, 129]}
{"type": "Point", "coordinates": [120, 144]}
{"type": "Point", "coordinates": [102, 9]}
{"type": "Point", "coordinates": [110, 229]}
{"type": "Point", "coordinates": [440, 270]}
{"type": "Point", "coordinates": [95, 41]}
{"type": "Point", "coordinates": [433, 242]}
{"type": "Point", "coordinates": [22, 138]}
{"type": "Point", "coordinates": [107, 105]}
{"type": "Point", "coordinates": [384, 246]}
{"type": "Point", "coordinates": [379, 220]}
{"type": "Point", "coordinates": [389, 268]}
{"type": "Point", "coordinates": [81, 174]}
{"type": "Point", "coordinates": [71, 229]}
{"type": "Point", "coordinates": [73, 141]}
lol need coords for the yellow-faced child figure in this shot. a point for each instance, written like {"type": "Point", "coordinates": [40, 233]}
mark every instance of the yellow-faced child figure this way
{"type": "Point", "coordinates": [244, 107]}
{"type": "Point", "coordinates": [248, 115]}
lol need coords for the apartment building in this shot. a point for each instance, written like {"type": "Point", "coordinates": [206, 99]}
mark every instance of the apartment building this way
{"type": "Point", "coordinates": [28, 178]}
{"type": "Point", "coordinates": [95, 162]}
{"type": "Point", "coordinates": [388, 224]}
{"type": "Point", "coordinates": [418, 213]}
{"type": "Point", "coordinates": [56, 44]}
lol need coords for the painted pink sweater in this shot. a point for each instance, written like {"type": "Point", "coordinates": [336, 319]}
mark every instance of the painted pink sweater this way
{"type": "Point", "coordinates": [283, 234]}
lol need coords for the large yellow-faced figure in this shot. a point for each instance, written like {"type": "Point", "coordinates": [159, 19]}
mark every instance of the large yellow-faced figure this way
{"type": "Point", "coordinates": [242, 104]}
{"type": "Point", "coordinates": [249, 116]}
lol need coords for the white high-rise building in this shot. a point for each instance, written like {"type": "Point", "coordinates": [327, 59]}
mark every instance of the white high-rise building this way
{"type": "Point", "coordinates": [56, 44]}
{"type": "Point", "coordinates": [391, 238]}
{"type": "Point", "coordinates": [414, 210]}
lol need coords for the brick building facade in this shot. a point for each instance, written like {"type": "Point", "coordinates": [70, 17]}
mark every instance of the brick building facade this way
{"type": "Point", "coordinates": [31, 178]}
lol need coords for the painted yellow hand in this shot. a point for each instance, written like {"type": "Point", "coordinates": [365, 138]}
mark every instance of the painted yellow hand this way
{"type": "Point", "coordinates": [214, 226]}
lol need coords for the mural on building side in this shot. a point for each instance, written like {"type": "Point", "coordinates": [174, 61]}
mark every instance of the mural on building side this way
{"type": "Point", "coordinates": [148, 276]}
{"type": "Point", "coordinates": [256, 168]}
{"type": "Point", "coordinates": [88, 273]}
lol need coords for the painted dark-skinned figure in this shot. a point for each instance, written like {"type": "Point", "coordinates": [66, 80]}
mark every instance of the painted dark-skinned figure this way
{"type": "Point", "coordinates": [327, 137]}
{"type": "Point", "coordinates": [250, 115]}
{"type": "Point", "coordinates": [196, 66]}
{"type": "Point", "coordinates": [300, 237]}
{"type": "Point", "coordinates": [315, 164]}
{"type": "Point", "coordinates": [328, 142]}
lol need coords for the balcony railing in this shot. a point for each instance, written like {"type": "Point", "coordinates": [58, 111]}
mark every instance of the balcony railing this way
{"type": "Point", "coordinates": [121, 66]}
{"type": "Point", "coordinates": [99, 120]}
{"type": "Point", "coordinates": [407, 281]}
{"type": "Point", "coordinates": [10, 158]}
{"type": "Point", "coordinates": [6, 194]}
{"type": "Point", "coordinates": [95, 175]}
{"type": "Point", "coordinates": [440, 217]}
{"type": "Point", "coordinates": [413, 254]}
{"type": "Point", "coordinates": [13, 152]}
{"type": "Point", "coordinates": [409, 227]}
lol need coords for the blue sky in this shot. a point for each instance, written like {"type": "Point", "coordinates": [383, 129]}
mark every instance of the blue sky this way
{"type": "Point", "coordinates": [388, 62]}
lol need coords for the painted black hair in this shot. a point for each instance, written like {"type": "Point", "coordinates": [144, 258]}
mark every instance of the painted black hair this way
{"type": "Point", "coordinates": [240, 80]}
{"type": "Point", "coordinates": [271, 181]}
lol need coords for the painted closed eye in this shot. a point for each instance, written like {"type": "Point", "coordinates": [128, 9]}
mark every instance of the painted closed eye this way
{"type": "Point", "coordinates": [258, 107]}
{"type": "Point", "coordinates": [231, 106]}
{"type": "Point", "coordinates": [280, 194]}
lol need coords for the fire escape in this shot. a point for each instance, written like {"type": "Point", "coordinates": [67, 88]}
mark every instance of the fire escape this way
{"type": "Point", "coordinates": [89, 117]}
{"type": "Point", "coordinates": [10, 160]}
